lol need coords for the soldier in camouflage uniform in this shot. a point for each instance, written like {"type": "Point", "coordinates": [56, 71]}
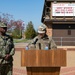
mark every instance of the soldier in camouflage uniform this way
{"type": "Point", "coordinates": [42, 40]}
{"type": "Point", "coordinates": [6, 51]}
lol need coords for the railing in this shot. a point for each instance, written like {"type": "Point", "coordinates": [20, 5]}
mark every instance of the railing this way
{"type": "Point", "coordinates": [64, 41]}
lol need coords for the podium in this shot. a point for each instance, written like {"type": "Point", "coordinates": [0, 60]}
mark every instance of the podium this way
{"type": "Point", "coordinates": [43, 62]}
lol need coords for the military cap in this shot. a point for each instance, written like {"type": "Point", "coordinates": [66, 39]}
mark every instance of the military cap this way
{"type": "Point", "coordinates": [3, 24]}
{"type": "Point", "coordinates": [42, 28]}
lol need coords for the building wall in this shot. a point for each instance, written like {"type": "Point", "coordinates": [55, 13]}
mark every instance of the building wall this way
{"type": "Point", "coordinates": [63, 30]}
{"type": "Point", "coordinates": [60, 24]}
{"type": "Point", "coordinates": [63, 33]}
{"type": "Point", "coordinates": [63, 38]}
{"type": "Point", "coordinates": [49, 31]}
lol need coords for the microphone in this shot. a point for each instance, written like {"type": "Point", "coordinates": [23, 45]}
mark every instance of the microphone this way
{"type": "Point", "coordinates": [35, 41]}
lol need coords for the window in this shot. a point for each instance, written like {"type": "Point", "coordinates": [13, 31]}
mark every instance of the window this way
{"type": "Point", "coordinates": [69, 32]}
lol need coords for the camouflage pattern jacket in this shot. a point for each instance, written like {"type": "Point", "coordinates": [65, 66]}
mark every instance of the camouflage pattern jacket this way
{"type": "Point", "coordinates": [6, 47]}
{"type": "Point", "coordinates": [41, 43]}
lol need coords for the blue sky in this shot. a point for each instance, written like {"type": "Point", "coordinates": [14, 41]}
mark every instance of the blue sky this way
{"type": "Point", "coordinates": [26, 10]}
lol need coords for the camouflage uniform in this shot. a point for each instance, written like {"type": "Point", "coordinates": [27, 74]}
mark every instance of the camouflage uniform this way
{"type": "Point", "coordinates": [41, 43]}
{"type": "Point", "coordinates": [38, 43]}
{"type": "Point", "coordinates": [6, 48]}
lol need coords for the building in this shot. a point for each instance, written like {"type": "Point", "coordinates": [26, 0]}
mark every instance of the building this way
{"type": "Point", "coordinates": [59, 17]}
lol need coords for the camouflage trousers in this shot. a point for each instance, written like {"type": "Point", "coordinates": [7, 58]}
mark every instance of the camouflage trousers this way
{"type": "Point", "coordinates": [6, 69]}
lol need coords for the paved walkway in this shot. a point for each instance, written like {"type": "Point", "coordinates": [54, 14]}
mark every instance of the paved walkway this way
{"type": "Point", "coordinates": [68, 70]}
{"type": "Point", "coordinates": [64, 71]}
{"type": "Point", "coordinates": [19, 71]}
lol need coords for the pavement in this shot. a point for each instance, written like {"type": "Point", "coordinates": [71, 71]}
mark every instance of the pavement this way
{"type": "Point", "coordinates": [68, 70]}
{"type": "Point", "coordinates": [20, 45]}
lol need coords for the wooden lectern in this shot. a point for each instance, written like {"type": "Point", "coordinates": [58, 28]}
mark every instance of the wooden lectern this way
{"type": "Point", "coordinates": [43, 62]}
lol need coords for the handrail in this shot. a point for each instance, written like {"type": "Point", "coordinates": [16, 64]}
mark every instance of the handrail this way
{"type": "Point", "coordinates": [67, 40]}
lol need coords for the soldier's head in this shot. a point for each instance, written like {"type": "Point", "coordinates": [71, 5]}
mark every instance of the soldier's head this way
{"type": "Point", "coordinates": [3, 28]}
{"type": "Point", "coordinates": [42, 30]}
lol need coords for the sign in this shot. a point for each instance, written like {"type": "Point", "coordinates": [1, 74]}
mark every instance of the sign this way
{"type": "Point", "coordinates": [63, 9]}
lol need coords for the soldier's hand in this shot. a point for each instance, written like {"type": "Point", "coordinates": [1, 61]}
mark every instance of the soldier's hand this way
{"type": "Point", "coordinates": [7, 56]}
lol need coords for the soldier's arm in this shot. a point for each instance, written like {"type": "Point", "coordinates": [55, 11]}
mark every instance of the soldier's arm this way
{"type": "Point", "coordinates": [32, 43]}
{"type": "Point", "coordinates": [12, 51]}
{"type": "Point", "coordinates": [53, 45]}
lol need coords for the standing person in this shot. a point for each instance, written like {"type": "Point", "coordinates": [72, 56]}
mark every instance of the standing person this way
{"type": "Point", "coordinates": [42, 41]}
{"type": "Point", "coordinates": [6, 51]}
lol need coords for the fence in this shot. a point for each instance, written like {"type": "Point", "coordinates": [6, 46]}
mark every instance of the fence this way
{"type": "Point", "coordinates": [64, 41]}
